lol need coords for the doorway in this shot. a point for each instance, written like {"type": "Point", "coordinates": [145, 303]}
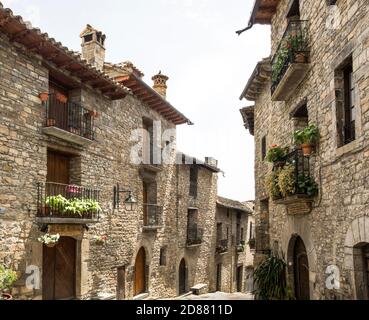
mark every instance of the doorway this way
{"type": "Point", "coordinates": [121, 283]}
{"type": "Point", "coordinates": [183, 282]}
{"type": "Point", "coordinates": [219, 277]}
{"type": "Point", "coordinates": [301, 270]}
{"type": "Point", "coordinates": [140, 273]}
{"type": "Point", "coordinates": [239, 277]}
{"type": "Point", "coordinates": [58, 167]}
{"type": "Point", "coordinates": [59, 270]}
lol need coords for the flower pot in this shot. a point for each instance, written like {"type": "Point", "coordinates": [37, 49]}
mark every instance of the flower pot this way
{"type": "Point", "coordinates": [50, 122]}
{"type": "Point", "coordinates": [300, 57]}
{"type": "Point", "coordinates": [307, 149]}
{"type": "Point", "coordinates": [61, 97]}
{"type": "Point", "coordinates": [44, 96]}
{"type": "Point", "coordinates": [93, 114]}
{"type": "Point", "coordinates": [7, 296]}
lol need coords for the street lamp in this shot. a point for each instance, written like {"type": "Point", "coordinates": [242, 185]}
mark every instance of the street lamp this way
{"type": "Point", "coordinates": [130, 202]}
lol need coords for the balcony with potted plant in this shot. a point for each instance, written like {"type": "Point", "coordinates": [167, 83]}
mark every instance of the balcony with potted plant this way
{"type": "Point", "coordinates": [194, 235]}
{"type": "Point", "coordinates": [67, 204]}
{"type": "Point", "coordinates": [222, 246]}
{"type": "Point", "coordinates": [68, 120]}
{"type": "Point", "coordinates": [152, 217]}
{"type": "Point", "coordinates": [291, 61]}
{"type": "Point", "coordinates": [240, 248]}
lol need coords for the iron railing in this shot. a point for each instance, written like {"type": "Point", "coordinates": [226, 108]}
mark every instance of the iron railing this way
{"type": "Point", "coordinates": [70, 116]}
{"type": "Point", "coordinates": [152, 215]}
{"type": "Point", "coordinates": [222, 246]}
{"type": "Point", "coordinates": [293, 48]}
{"type": "Point", "coordinates": [56, 200]}
{"type": "Point", "coordinates": [194, 235]}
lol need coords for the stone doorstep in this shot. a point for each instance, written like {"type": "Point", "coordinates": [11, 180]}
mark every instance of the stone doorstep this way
{"type": "Point", "coordinates": [200, 289]}
{"type": "Point", "coordinates": [152, 229]}
{"type": "Point", "coordinates": [143, 296]}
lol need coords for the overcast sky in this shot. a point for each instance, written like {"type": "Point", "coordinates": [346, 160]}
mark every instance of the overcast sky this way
{"type": "Point", "coordinates": [191, 41]}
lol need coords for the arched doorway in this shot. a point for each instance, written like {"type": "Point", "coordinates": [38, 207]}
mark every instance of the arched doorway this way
{"type": "Point", "coordinates": [140, 272]}
{"type": "Point", "coordinates": [301, 270]}
{"type": "Point", "coordinates": [183, 282]}
{"type": "Point", "coordinates": [361, 268]}
{"type": "Point", "coordinates": [59, 270]}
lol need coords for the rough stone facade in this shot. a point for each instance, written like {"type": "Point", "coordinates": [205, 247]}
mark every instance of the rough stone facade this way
{"type": "Point", "coordinates": [337, 227]}
{"type": "Point", "coordinates": [106, 270]}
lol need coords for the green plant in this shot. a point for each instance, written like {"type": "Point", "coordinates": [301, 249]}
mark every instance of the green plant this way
{"type": "Point", "coordinates": [7, 279]}
{"type": "Point", "coordinates": [276, 153]}
{"type": "Point", "coordinates": [309, 135]}
{"type": "Point", "coordinates": [49, 239]}
{"type": "Point", "coordinates": [271, 184]}
{"type": "Point", "coordinates": [57, 202]}
{"type": "Point", "coordinates": [73, 206]}
{"type": "Point", "coordinates": [286, 180]}
{"type": "Point", "coordinates": [270, 279]}
{"type": "Point", "coordinates": [307, 185]}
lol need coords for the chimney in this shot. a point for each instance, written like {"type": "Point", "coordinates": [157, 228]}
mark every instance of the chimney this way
{"type": "Point", "coordinates": [93, 47]}
{"type": "Point", "coordinates": [211, 162]}
{"type": "Point", "coordinates": [160, 84]}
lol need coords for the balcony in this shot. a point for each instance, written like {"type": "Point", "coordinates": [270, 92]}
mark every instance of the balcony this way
{"type": "Point", "coordinates": [67, 204]}
{"type": "Point", "coordinates": [241, 246]}
{"type": "Point", "coordinates": [299, 187]}
{"type": "Point", "coordinates": [152, 217]}
{"type": "Point", "coordinates": [291, 61]}
{"type": "Point", "coordinates": [222, 246]}
{"type": "Point", "coordinates": [69, 121]}
{"type": "Point", "coordinates": [194, 235]}
{"type": "Point", "coordinates": [252, 244]}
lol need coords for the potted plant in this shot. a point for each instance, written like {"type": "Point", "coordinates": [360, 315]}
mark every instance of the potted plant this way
{"type": "Point", "coordinates": [61, 97]}
{"type": "Point", "coordinates": [307, 185]}
{"type": "Point", "coordinates": [277, 155]}
{"type": "Point", "coordinates": [51, 122]}
{"type": "Point", "coordinates": [93, 114]}
{"type": "Point", "coordinates": [307, 139]}
{"type": "Point", "coordinates": [7, 279]}
{"type": "Point", "coordinates": [44, 96]}
{"type": "Point", "coordinates": [50, 240]}
{"type": "Point", "coordinates": [100, 240]}
{"type": "Point", "coordinates": [252, 243]}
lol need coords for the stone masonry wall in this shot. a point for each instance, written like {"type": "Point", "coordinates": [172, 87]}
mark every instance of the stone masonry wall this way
{"type": "Point", "coordinates": [342, 173]}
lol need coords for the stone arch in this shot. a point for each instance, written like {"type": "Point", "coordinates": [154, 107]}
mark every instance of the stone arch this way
{"type": "Point", "coordinates": [357, 238]}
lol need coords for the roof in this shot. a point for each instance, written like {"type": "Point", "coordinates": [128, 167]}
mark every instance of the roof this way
{"type": "Point", "coordinates": [67, 65]}
{"type": "Point", "coordinates": [259, 77]}
{"type": "Point", "coordinates": [248, 118]}
{"type": "Point", "coordinates": [130, 77]}
{"type": "Point", "coordinates": [189, 160]}
{"type": "Point", "coordinates": [250, 204]}
{"type": "Point", "coordinates": [263, 11]}
{"type": "Point", "coordinates": [233, 204]}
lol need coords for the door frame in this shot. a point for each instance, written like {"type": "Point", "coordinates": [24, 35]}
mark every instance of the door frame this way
{"type": "Point", "coordinates": [182, 263]}
{"type": "Point", "coordinates": [145, 273]}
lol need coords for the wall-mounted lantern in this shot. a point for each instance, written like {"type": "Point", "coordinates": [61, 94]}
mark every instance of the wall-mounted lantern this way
{"type": "Point", "coordinates": [130, 202]}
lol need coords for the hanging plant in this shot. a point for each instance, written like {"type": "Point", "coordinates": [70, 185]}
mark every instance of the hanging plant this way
{"type": "Point", "coordinates": [286, 181]}
{"type": "Point", "coordinates": [50, 240]}
{"type": "Point", "coordinates": [271, 184]}
{"type": "Point", "coordinates": [100, 240]}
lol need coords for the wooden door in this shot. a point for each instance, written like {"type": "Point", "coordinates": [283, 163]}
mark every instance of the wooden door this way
{"type": "Point", "coordinates": [301, 271]}
{"type": "Point", "coordinates": [121, 283]}
{"type": "Point", "coordinates": [182, 277]}
{"type": "Point", "coordinates": [59, 270]}
{"type": "Point", "coordinates": [57, 167]}
{"type": "Point", "coordinates": [140, 273]}
{"type": "Point", "coordinates": [239, 276]}
{"type": "Point", "coordinates": [219, 277]}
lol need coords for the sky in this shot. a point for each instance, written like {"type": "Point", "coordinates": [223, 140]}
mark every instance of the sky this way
{"type": "Point", "coordinates": [195, 44]}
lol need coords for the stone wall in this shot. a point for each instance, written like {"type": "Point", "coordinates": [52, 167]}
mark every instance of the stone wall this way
{"type": "Point", "coordinates": [341, 172]}
{"type": "Point", "coordinates": [103, 164]}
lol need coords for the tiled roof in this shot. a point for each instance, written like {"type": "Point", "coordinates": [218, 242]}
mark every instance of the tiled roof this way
{"type": "Point", "coordinates": [233, 204]}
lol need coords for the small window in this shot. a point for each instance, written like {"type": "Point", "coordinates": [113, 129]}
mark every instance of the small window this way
{"type": "Point", "coordinates": [345, 103]}
{"type": "Point", "coordinates": [294, 9]}
{"type": "Point", "coordinates": [88, 38]}
{"type": "Point", "coordinates": [163, 256]}
{"type": "Point", "coordinates": [251, 235]}
{"type": "Point", "coordinates": [194, 171]}
{"type": "Point", "coordinates": [331, 2]}
{"type": "Point", "coordinates": [263, 148]}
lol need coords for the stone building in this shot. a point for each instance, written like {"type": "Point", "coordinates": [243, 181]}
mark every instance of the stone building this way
{"type": "Point", "coordinates": [318, 73]}
{"type": "Point", "coordinates": [70, 126]}
{"type": "Point", "coordinates": [233, 259]}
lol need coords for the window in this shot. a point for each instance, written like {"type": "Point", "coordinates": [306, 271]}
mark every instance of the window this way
{"type": "Point", "coordinates": [194, 171]}
{"type": "Point", "coordinates": [251, 234]}
{"type": "Point", "coordinates": [294, 9]}
{"type": "Point", "coordinates": [263, 148]}
{"type": "Point", "coordinates": [345, 103]}
{"type": "Point", "coordinates": [331, 2]}
{"type": "Point", "coordinates": [88, 38]}
{"type": "Point", "coordinates": [242, 234]}
{"type": "Point", "coordinates": [148, 141]}
{"type": "Point", "coordinates": [163, 256]}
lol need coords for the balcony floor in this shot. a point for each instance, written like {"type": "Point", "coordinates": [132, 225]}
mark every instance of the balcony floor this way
{"type": "Point", "coordinates": [49, 220]}
{"type": "Point", "coordinates": [67, 136]}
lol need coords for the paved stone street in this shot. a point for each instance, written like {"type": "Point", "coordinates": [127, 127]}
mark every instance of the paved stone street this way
{"type": "Point", "coordinates": [220, 296]}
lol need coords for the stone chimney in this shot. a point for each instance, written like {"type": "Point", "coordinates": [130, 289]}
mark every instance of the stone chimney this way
{"type": "Point", "coordinates": [160, 84]}
{"type": "Point", "coordinates": [211, 162]}
{"type": "Point", "coordinates": [93, 47]}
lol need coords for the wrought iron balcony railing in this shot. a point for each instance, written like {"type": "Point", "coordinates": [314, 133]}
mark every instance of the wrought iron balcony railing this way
{"type": "Point", "coordinates": [293, 48]}
{"type": "Point", "coordinates": [62, 201]}
{"type": "Point", "coordinates": [70, 117]}
{"type": "Point", "coordinates": [152, 215]}
{"type": "Point", "coordinates": [222, 246]}
{"type": "Point", "coordinates": [194, 235]}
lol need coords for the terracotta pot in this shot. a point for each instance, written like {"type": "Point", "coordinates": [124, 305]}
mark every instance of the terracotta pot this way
{"type": "Point", "coordinates": [307, 149]}
{"type": "Point", "coordinates": [61, 97]}
{"type": "Point", "coordinates": [51, 122]}
{"type": "Point", "coordinates": [7, 296]}
{"type": "Point", "coordinates": [44, 96]}
{"type": "Point", "coordinates": [93, 113]}
{"type": "Point", "coordinates": [300, 58]}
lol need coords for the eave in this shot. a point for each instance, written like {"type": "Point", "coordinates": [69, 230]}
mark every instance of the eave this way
{"type": "Point", "coordinates": [248, 116]}
{"type": "Point", "coordinates": [68, 64]}
{"type": "Point", "coordinates": [258, 79]}
{"type": "Point", "coordinates": [264, 11]}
